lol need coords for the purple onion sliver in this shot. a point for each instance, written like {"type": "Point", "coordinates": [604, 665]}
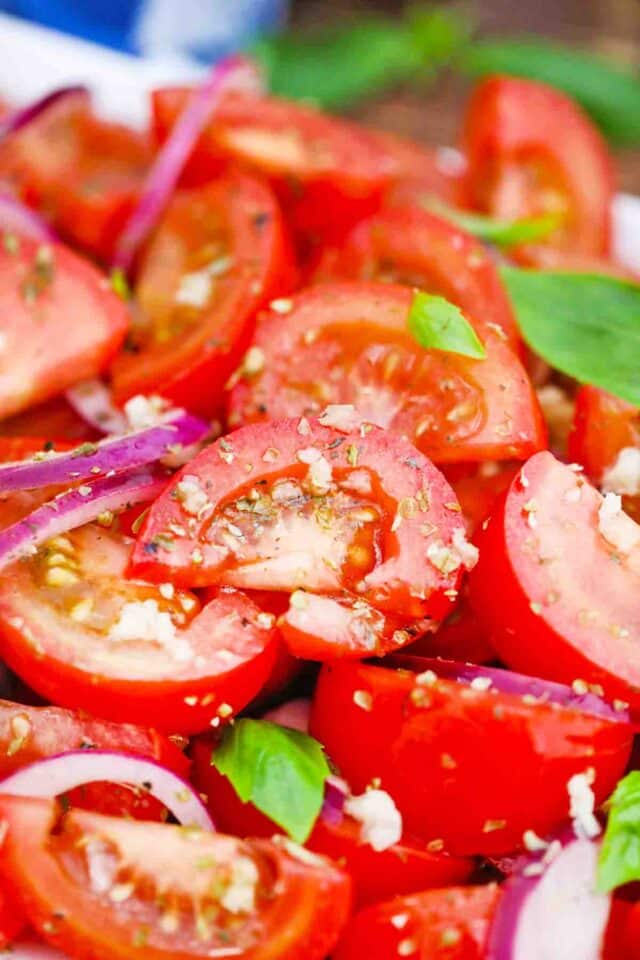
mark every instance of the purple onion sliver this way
{"type": "Point", "coordinates": [234, 72]}
{"type": "Point", "coordinates": [92, 401]}
{"type": "Point", "coordinates": [76, 507]}
{"type": "Point", "coordinates": [24, 115]}
{"type": "Point", "coordinates": [336, 792]}
{"type": "Point", "coordinates": [517, 684]}
{"type": "Point", "coordinates": [116, 454]}
{"type": "Point", "coordinates": [16, 218]}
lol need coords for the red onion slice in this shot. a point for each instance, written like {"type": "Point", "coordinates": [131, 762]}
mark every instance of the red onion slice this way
{"type": "Point", "coordinates": [74, 508]}
{"type": "Point", "coordinates": [232, 73]}
{"type": "Point", "coordinates": [336, 791]}
{"type": "Point", "coordinates": [53, 776]}
{"type": "Point", "coordinates": [550, 908]}
{"type": "Point", "coordinates": [19, 219]}
{"type": "Point", "coordinates": [518, 684]}
{"type": "Point", "coordinates": [115, 454]}
{"type": "Point", "coordinates": [92, 401]}
{"type": "Point", "coordinates": [24, 115]}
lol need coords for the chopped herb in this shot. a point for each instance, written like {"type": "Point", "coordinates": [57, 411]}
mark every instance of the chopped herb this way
{"type": "Point", "coordinates": [619, 860]}
{"type": "Point", "coordinates": [119, 283]}
{"type": "Point", "coordinates": [503, 233]}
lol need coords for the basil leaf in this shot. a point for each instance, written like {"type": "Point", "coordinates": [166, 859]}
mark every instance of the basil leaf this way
{"type": "Point", "coordinates": [585, 325]}
{"type": "Point", "coordinates": [281, 771]}
{"type": "Point", "coordinates": [503, 233]}
{"type": "Point", "coordinates": [619, 860]}
{"type": "Point", "coordinates": [439, 325]}
{"type": "Point", "coordinates": [608, 92]}
{"type": "Point", "coordinates": [334, 67]}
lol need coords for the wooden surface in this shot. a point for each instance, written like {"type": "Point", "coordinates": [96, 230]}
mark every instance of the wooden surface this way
{"type": "Point", "coordinates": [609, 27]}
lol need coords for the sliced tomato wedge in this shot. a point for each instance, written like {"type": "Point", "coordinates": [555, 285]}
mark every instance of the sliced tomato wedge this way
{"type": "Point", "coordinates": [568, 569]}
{"type": "Point", "coordinates": [81, 634]}
{"type": "Point", "coordinates": [83, 173]}
{"type": "Point", "coordinates": [296, 504]}
{"type": "Point", "coordinates": [405, 867]}
{"type": "Point", "coordinates": [518, 166]}
{"type": "Point", "coordinates": [478, 488]}
{"type": "Point", "coordinates": [99, 886]}
{"type": "Point", "coordinates": [46, 295]}
{"type": "Point", "coordinates": [349, 343]}
{"type": "Point", "coordinates": [31, 733]}
{"type": "Point", "coordinates": [425, 740]}
{"type": "Point", "coordinates": [460, 637]}
{"type": "Point", "coordinates": [218, 254]}
{"type": "Point", "coordinates": [450, 924]}
{"type": "Point", "coordinates": [12, 919]}
{"type": "Point", "coordinates": [410, 246]}
{"type": "Point", "coordinates": [52, 420]}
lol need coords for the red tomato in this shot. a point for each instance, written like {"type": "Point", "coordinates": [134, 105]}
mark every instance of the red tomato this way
{"type": "Point", "coordinates": [349, 343]}
{"type": "Point", "coordinates": [296, 504]}
{"type": "Point", "coordinates": [30, 733]}
{"type": "Point", "coordinates": [568, 581]}
{"type": "Point", "coordinates": [46, 295]}
{"type": "Point", "coordinates": [98, 886]}
{"type": "Point", "coordinates": [519, 166]}
{"type": "Point", "coordinates": [440, 174]}
{"type": "Point", "coordinates": [405, 867]}
{"type": "Point", "coordinates": [441, 750]}
{"type": "Point", "coordinates": [219, 253]}
{"type": "Point", "coordinates": [411, 246]}
{"type": "Point", "coordinates": [450, 924]}
{"type": "Point", "coordinates": [20, 448]}
{"type": "Point", "coordinates": [53, 419]}
{"type": "Point", "coordinates": [632, 934]}
{"type": "Point", "coordinates": [460, 637]}
{"type": "Point", "coordinates": [329, 172]}
{"type": "Point", "coordinates": [478, 489]}
{"type": "Point", "coordinates": [82, 635]}
{"type": "Point", "coordinates": [83, 173]}
{"type": "Point", "coordinates": [12, 919]}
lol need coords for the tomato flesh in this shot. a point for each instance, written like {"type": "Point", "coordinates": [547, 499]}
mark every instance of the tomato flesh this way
{"type": "Point", "coordinates": [100, 886]}
{"type": "Point", "coordinates": [435, 743]}
{"type": "Point", "coordinates": [568, 595]}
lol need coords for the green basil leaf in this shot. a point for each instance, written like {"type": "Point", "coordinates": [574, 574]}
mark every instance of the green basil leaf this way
{"type": "Point", "coordinates": [619, 860]}
{"type": "Point", "coordinates": [281, 771]}
{"type": "Point", "coordinates": [334, 67]}
{"type": "Point", "coordinates": [439, 325]}
{"type": "Point", "coordinates": [585, 325]}
{"type": "Point", "coordinates": [503, 233]}
{"type": "Point", "coordinates": [607, 91]}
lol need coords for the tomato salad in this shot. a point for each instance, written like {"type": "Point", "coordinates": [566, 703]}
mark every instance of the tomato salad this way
{"type": "Point", "coordinates": [319, 588]}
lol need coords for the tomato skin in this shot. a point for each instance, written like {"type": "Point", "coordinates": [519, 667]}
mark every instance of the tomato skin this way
{"type": "Point", "coordinates": [45, 299]}
{"type": "Point", "coordinates": [301, 923]}
{"type": "Point", "coordinates": [518, 167]}
{"type": "Point", "coordinates": [53, 730]}
{"type": "Point", "coordinates": [479, 488]}
{"type": "Point", "coordinates": [405, 867]}
{"type": "Point", "coordinates": [245, 458]}
{"type": "Point", "coordinates": [448, 924]}
{"type": "Point", "coordinates": [51, 420]}
{"type": "Point", "coordinates": [12, 920]}
{"type": "Point", "coordinates": [442, 731]}
{"type": "Point", "coordinates": [460, 637]}
{"type": "Point", "coordinates": [349, 343]}
{"type": "Point", "coordinates": [410, 245]}
{"type": "Point", "coordinates": [240, 216]}
{"type": "Point", "coordinates": [563, 619]}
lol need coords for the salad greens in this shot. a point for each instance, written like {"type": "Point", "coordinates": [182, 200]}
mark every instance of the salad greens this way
{"type": "Point", "coordinates": [503, 233]}
{"type": "Point", "coordinates": [437, 324]}
{"type": "Point", "coordinates": [619, 861]}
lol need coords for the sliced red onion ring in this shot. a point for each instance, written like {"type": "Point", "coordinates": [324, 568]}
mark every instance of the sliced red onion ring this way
{"type": "Point", "coordinates": [24, 115]}
{"type": "Point", "coordinates": [92, 401]}
{"type": "Point", "coordinates": [336, 791]}
{"type": "Point", "coordinates": [19, 219]}
{"type": "Point", "coordinates": [115, 454]}
{"type": "Point", "coordinates": [74, 508]}
{"type": "Point", "coordinates": [53, 776]}
{"type": "Point", "coordinates": [232, 73]}
{"type": "Point", "coordinates": [292, 713]}
{"type": "Point", "coordinates": [506, 681]}
{"type": "Point", "coordinates": [549, 906]}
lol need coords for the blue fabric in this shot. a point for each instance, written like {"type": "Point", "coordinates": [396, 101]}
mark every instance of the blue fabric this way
{"type": "Point", "coordinates": [201, 28]}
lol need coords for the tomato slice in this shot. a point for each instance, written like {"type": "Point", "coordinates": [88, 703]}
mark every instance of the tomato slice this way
{"type": "Point", "coordinates": [294, 504]}
{"type": "Point", "coordinates": [405, 867]}
{"type": "Point", "coordinates": [410, 246]}
{"type": "Point", "coordinates": [518, 166]}
{"type": "Point", "coordinates": [460, 637]}
{"type": "Point", "coordinates": [12, 920]}
{"type": "Point", "coordinates": [433, 744]}
{"type": "Point", "coordinates": [478, 488]}
{"type": "Point", "coordinates": [603, 426]}
{"type": "Point", "coordinates": [219, 253]}
{"type": "Point", "coordinates": [569, 576]}
{"type": "Point", "coordinates": [349, 343]}
{"type": "Point", "coordinates": [31, 733]}
{"type": "Point", "coordinates": [83, 173]}
{"type": "Point", "coordinates": [81, 634]}
{"type": "Point", "coordinates": [46, 295]}
{"type": "Point", "coordinates": [99, 886]}
{"type": "Point", "coordinates": [51, 421]}
{"type": "Point", "coordinates": [449, 924]}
